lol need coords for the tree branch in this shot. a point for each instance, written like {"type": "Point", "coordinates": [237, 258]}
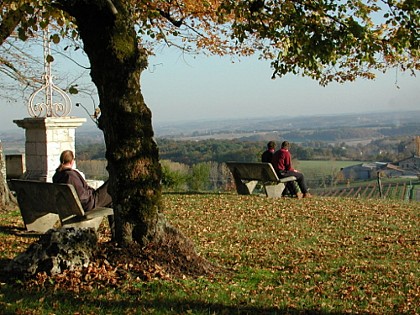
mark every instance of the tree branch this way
{"type": "Point", "coordinates": [167, 15]}
{"type": "Point", "coordinates": [9, 23]}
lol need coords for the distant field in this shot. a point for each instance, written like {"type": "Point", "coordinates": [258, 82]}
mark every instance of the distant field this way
{"type": "Point", "coordinates": [324, 165]}
{"type": "Point", "coordinates": [95, 168]}
{"type": "Point", "coordinates": [317, 169]}
{"type": "Point", "coordinates": [322, 174]}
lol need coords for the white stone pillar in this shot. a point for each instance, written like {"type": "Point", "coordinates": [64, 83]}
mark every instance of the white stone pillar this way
{"type": "Point", "coordinates": [46, 138]}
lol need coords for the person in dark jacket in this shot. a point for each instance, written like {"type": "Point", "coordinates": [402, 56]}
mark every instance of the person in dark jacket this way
{"type": "Point", "coordinates": [267, 156]}
{"type": "Point", "coordinates": [282, 163]}
{"type": "Point", "coordinates": [89, 197]}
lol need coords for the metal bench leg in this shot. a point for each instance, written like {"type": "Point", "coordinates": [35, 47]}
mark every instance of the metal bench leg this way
{"type": "Point", "coordinates": [274, 191]}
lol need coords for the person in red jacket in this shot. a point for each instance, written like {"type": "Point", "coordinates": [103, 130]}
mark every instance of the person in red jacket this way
{"type": "Point", "coordinates": [282, 163]}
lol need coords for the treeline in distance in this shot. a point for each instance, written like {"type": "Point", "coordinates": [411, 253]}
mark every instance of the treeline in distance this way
{"type": "Point", "coordinates": [190, 152]}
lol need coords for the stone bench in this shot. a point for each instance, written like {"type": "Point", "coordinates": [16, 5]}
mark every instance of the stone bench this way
{"type": "Point", "coordinates": [247, 175]}
{"type": "Point", "coordinates": [47, 205]}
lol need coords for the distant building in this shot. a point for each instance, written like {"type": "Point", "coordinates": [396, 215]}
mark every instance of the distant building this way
{"type": "Point", "coordinates": [369, 170]}
{"type": "Point", "coordinates": [361, 171]}
{"type": "Point", "coordinates": [411, 164]}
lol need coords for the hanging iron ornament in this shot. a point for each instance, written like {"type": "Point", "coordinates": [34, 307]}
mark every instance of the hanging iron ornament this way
{"type": "Point", "coordinates": [53, 101]}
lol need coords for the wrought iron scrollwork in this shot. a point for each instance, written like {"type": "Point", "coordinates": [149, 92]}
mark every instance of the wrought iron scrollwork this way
{"type": "Point", "coordinates": [43, 102]}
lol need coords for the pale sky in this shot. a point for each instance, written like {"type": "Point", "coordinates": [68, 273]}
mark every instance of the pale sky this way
{"type": "Point", "coordinates": [214, 88]}
{"type": "Point", "coordinates": [184, 88]}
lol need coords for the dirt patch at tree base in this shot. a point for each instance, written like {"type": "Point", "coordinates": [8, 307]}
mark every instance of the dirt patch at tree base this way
{"type": "Point", "coordinates": [172, 257]}
{"type": "Point", "coordinates": [167, 259]}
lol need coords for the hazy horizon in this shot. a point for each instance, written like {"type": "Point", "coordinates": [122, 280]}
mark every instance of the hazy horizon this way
{"type": "Point", "coordinates": [180, 88]}
{"type": "Point", "coordinates": [296, 122]}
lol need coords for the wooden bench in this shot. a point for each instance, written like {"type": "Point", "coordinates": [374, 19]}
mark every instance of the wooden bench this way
{"type": "Point", "coordinates": [45, 205]}
{"type": "Point", "coordinates": [247, 175]}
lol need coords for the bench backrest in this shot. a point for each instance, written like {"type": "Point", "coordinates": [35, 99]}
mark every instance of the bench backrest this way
{"type": "Point", "coordinates": [253, 171]}
{"type": "Point", "coordinates": [43, 197]}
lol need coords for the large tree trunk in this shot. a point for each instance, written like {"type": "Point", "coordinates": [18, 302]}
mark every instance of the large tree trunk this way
{"type": "Point", "coordinates": [117, 61]}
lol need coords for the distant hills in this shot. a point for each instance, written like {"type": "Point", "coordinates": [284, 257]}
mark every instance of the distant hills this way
{"type": "Point", "coordinates": [290, 122]}
{"type": "Point", "coordinates": [302, 128]}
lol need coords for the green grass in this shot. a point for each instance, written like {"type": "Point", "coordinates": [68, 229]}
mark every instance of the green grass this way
{"type": "Point", "coordinates": [321, 174]}
{"type": "Point", "coordinates": [324, 167]}
{"type": "Point", "coordinates": [281, 256]}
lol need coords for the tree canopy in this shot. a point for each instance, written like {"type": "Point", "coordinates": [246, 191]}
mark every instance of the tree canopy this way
{"type": "Point", "coordinates": [325, 40]}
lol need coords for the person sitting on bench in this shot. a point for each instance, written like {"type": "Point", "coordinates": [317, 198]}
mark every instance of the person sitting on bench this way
{"type": "Point", "coordinates": [90, 198]}
{"type": "Point", "coordinates": [282, 163]}
{"type": "Point", "coordinates": [267, 155]}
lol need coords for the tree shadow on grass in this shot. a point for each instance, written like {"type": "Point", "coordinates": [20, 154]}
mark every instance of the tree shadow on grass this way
{"type": "Point", "coordinates": [18, 231]}
{"type": "Point", "coordinates": [134, 304]}
{"type": "Point", "coordinates": [120, 298]}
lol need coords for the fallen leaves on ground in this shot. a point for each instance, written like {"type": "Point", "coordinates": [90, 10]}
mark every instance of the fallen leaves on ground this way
{"type": "Point", "coordinates": [354, 252]}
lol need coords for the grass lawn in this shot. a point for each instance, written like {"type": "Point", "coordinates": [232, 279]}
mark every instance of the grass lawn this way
{"type": "Point", "coordinates": [279, 256]}
{"type": "Point", "coordinates": [322, 168]}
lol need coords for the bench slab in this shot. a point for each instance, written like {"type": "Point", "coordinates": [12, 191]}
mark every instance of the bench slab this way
{"type": "Point", "coordinates": [247, 175]}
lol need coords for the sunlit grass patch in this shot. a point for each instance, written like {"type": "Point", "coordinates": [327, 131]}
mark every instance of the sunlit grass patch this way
{"type": "Point", "coordinates": [278, 256]}
{"type": "Point", "coordinates": [322, 252]}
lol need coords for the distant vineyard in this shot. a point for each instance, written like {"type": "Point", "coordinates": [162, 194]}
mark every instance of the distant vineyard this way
{"type": "Point", "coordinates": [396, 191]}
